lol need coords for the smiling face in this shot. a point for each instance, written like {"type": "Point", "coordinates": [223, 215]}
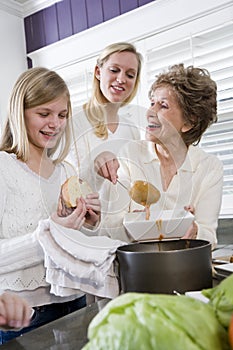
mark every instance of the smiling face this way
{"type": "Point", "coordinates": [117, 76]}
{"type": "Point", "coordinates": [46, 123]}
{"type": "Point", "coordinates": [165, 117]}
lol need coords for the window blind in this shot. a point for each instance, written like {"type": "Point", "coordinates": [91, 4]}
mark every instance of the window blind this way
{"type": "Point", "coordinates": [79, 77]}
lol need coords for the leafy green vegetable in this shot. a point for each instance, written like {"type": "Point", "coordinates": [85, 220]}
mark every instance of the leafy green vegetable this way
{"type": "Point", "coordinates": [221, 300]}
{"type": "Point", "coordinates": [142, 321]}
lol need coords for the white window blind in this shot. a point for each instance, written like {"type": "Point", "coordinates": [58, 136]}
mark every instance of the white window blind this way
{"type": "Point", "coordinates": [79, 77]}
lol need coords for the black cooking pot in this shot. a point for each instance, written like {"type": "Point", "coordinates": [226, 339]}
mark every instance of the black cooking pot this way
{"type": "Point", "coordinates": [165, 266]}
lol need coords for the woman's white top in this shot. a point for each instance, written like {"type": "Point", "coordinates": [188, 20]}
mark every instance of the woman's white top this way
{"type": "Point", "coordinates": [86, 145]}
{"type": "Point", "coordinates": [198, 182]}
{"type": "Point", "coordinates": [25, 199]}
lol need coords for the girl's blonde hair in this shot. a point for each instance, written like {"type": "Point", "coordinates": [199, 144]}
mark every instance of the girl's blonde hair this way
{"type": "Point", "coordinates": [94, 108]}
{"type": "Point", "coordinates": [34, 87]}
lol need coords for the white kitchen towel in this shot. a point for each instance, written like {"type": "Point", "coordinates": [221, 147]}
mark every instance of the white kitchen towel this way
{"type": "Point", "coordinates": [68, 284]}
{"type": "Point", "coordinates": [94, 249]}
{"type": "Point", "coordinates": [56, 257]}
{"type": "Point", "coordinates": [75, 261]}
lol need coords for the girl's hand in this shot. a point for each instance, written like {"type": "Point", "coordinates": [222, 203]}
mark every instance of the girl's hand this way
{"type": "Point", "coordinates": [93, 206]}
{"type": "Point", "coordinates": [14, 311]}
{"type": "Point", "coordinates": [62, 210]}
{"type": "Point", "coordinates": [75, 219]}
{"type": "Point", "coordinates": [106, 165]}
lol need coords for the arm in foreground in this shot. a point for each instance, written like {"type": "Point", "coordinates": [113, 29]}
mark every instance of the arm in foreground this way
{"type": "Point", "coordinates": [14, 311]}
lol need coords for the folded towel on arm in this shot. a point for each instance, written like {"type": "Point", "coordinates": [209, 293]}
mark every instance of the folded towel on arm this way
{"type": "Point", "coordinates": [75, 261]}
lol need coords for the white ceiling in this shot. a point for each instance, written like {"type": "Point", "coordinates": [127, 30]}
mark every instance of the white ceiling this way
{"type": "Point", "coordinates": [24, 8]}
{"type": "Point", "coordinates": [21, 1]}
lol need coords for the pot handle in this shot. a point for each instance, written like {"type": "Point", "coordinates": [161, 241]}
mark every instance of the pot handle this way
{"type": "Point", "coordinates": [116, 268]}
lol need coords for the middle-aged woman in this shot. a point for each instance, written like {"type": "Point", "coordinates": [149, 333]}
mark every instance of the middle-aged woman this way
{"type": "Point", "coordinates": [183, 106]}
{"type": "Point", "coordinates": [100, 129]}
{"type": "Point", "coordinates": [34, 143]}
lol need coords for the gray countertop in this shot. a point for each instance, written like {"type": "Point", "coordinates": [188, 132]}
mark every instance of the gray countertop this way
{"type": "Point", "coordinates": [66, 333]}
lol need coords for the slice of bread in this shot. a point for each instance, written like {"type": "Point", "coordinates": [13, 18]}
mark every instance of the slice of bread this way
{"type": "Point", "coordinates": [72, 189]}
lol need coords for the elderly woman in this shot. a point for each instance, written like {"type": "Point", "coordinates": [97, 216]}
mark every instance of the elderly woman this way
{"type": "Point", "coordinates": [183, 106]}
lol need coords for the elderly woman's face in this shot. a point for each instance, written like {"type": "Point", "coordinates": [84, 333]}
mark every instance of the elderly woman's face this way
{"type": "Point", "coordinates": [165, 116]}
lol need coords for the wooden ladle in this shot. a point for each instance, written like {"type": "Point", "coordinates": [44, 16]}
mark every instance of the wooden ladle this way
{"type": "Point", "coordinates": [144, 193]}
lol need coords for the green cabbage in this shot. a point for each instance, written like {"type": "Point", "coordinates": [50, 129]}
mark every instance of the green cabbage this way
{"type": "Point", "coordinates": [221, 300]}
{"type": "Point", "coordinates": [140, 321]}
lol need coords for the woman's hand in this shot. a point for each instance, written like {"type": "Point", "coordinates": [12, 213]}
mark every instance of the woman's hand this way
{"type": "Point", "coordinates": [86, 213]}
{"type": "Point", "coordinates": [14, 311]}
{"type": "Point", "coordinates": [106, 165]}
{"type": "Point", "coordinates": [75, 219]}
{"type": "Point", "coordinates": [93, 206]}
{"type": "Point", "coordinates": [190, 208]}
{"type": "Point", "coordinates": [192, 230]}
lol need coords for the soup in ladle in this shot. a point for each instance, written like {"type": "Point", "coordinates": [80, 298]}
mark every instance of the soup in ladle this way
{"type": "Point", "coordinates": [144, 193]}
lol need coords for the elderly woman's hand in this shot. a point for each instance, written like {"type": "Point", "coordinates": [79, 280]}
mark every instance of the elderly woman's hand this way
{"type": "Point", "coordinates": [192, 230]}
{"type": "Point", "coordinates": [106, 165]}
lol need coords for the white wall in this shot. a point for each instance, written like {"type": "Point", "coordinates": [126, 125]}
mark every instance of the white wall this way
{"type": "Point", "coordinates": [12, 58]}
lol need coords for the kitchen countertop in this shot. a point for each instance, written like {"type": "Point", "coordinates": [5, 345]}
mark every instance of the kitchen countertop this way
{"type": "Point", "coordinates": [70, 332]}
{"type": "Point", "coordinates": [66, 333]}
